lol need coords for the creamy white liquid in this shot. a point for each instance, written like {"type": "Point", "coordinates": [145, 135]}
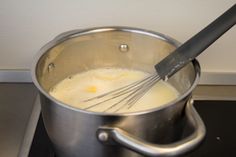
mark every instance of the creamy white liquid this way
{"type": "Point", "coordinates": [73, 90]}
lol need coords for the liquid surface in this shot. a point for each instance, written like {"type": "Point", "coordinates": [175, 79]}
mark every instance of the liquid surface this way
{"type": "Point", "coordinates": [82, 86]}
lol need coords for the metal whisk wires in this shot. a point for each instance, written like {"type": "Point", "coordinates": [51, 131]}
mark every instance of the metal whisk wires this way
{"type": "Point", "coordinates": [125, 96]}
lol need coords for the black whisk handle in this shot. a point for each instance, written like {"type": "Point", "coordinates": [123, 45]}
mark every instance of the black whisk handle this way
{"type": "Point", "coordinates": [196, 45]}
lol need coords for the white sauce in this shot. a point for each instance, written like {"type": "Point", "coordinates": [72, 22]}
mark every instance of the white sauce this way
{"type": "Point", "coordinates": [73, 90]}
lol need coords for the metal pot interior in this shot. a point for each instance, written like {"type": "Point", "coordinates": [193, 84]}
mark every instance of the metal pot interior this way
{"type": "Point", "coordinates": [119, 47]}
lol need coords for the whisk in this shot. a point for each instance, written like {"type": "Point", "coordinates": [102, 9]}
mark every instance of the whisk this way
{"type": "Point", "coordinates": [128, 95]}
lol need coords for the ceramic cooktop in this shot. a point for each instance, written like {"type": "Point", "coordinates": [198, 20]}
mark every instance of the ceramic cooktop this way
{"type": "Point", "coordinates": [218, 116]}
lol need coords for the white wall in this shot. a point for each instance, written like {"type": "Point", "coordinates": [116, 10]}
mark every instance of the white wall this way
{"type": "Point", "coordinates": [26, 25]}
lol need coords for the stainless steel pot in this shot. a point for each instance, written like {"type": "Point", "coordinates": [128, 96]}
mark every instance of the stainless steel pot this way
{"type": "Point", "coordinates": [80, 133]}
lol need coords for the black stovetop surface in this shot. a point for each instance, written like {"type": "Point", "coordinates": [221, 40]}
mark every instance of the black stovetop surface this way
{"type": "Point", "coordinates": [218, 116]}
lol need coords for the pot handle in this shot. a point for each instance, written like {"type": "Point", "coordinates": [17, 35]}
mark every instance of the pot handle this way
{"type": "Point", "coordinates": [108, 135]}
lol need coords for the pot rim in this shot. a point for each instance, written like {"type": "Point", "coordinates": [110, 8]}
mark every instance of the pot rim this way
{"type": "Point", "coordinates": [76, 33]}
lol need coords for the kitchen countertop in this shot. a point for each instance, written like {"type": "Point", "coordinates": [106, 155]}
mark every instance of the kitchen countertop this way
{"type": "Point", "coordinates": [16, 105]}
{"type": "Point", "coordinates": [20, 109]}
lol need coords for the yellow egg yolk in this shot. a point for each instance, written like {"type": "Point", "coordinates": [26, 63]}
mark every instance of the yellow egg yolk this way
{"type": "Point", "coordinates": [91, 89]}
